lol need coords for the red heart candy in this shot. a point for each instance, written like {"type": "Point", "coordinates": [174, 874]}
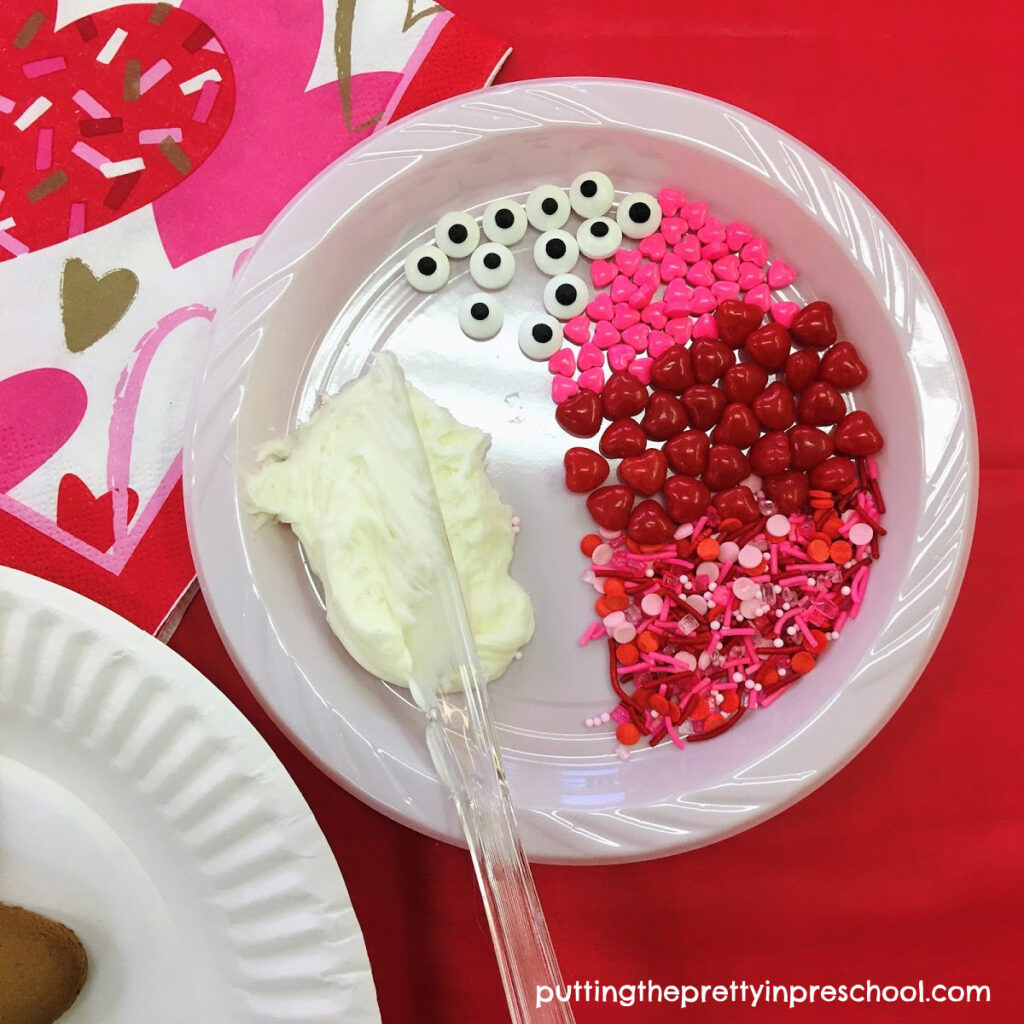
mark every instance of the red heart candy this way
{"type": "Point", "coordinates": [814, 325]}
{"type": "Point", "coordinates": [710, 357]}
{"type": "Point", "coordinates": [842, 366]}
{"type": "Point", "coordinates": [650, 524]}
{"type": "Point", "coordinates": [737, 426]}
{"type": "Point", "coordinates": [775, 407]}
{"type": "Point", "coordinates": [623, 395]}
{"type": "Point", "coordinates": [736, 320]}
{"type": "Point", "coordinates": [584, 470]}
{"type": "Point", "coordinates": [580, 414]}
{"type": "Point", "coordinates": [644, 473]}
{"type": "Point", "coordinates": [673, 370]}
{"type": "Point", "coordinates": [705, 404]}
{"type": "Point", "coordinates": [737, 503]}
{"type": "Point", "coordinates": [610, 506]}
{"type": "Point", "coordinates": [820, 404]}
{"type": "Point", "coordinates": [769, 346]}
{"type": "Point", "coordinates": [622, 438]}
{"type": "Point", "coordinates": [787, 490]}
{"type": "Point", "coordinates": [801, 369]}
{"type": "Point", "coordinates": [833, 474]}
{"type": "Point", "coordinates": [770, 454]}
{"type": "Point", "coordinates": [686, 498]}
{"type": "Point", "coordinates": [857, 434]}
{"type": "Point", "coordinates": [665, 416]}
{"type": "Point", "coordinates": [809, 446]}
{"type": "Point", "coordinates": [726, 467]}
{"type": "Point", "coordinates": [687, 453]}
{"type": "Point", "coordinates": [744, 382]}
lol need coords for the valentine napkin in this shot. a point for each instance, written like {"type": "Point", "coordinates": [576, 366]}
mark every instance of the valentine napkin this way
{"type": "Point", "coordinates": [142, 147]}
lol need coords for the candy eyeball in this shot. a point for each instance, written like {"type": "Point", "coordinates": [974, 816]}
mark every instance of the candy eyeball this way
{"type": "Point", "coordinates": [505, 221]}
{"type": "Point", "coordinates": [492, 265]}
{"type": "Point", "coordinates": [592, 194]}
{"type": "Point", "coordinates": [427, 268]}
{"type": "Point", "coordinates": [598, 237]}
{"type": "Point", "coordinates": [566, 296]}
{"type": "Point", "coordinates": [556, 252]}
{"type": "Point", "coordinates": [540, 337]}
{"type": "Point", "coordinates": [481, 316]}
{"type": "Point", "coordinates": [457, 234]}
{"type": "Point", "coordinates": [548, 208]}
{"type": "Point", "coordinates": [638, 215]}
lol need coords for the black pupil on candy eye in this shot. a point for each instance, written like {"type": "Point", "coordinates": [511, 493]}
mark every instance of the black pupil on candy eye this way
{"type": "Point", "coordinates": [565, 294]}
{"type": "Point", "coordinates": [492, 261]}
{"type": "Point", "coordinates": [504, 218]}
{"type": "Point", "coordinates": [550, 206]}
{"type": "Point", "coordinates": [588, 189]}
{"type": "Point", "coordinates": [599, 229]}
{"type": "Point", "coordinates": [555, 248]}
{"type": "Point", "coordinates": [542, 333]}
{"type": "Point", "coordinates": [458, 233]}
{"type": "Point", "coordinates": [479, 311]}
{"type": "Point", "coordinates": [426, 265]}
{"type": "Point", "coordinates": [639, 213]}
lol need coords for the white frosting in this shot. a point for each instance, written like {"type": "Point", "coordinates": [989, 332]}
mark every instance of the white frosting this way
{"type": "Point", "coordinates": [361, 511]}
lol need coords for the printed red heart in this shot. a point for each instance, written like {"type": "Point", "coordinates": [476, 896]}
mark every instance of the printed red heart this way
{"type": "Point", "coordinates": [842, 366]}
{"type": "Point", "coordinates": [775, 407]}
{"type": "Point", "coordinates": [673, 370]}
{"type": "Point", "coordinates": [857, 434]}
{"type": "Point", "coordinates": [737, 503]}
{"type": "Point", "coordinates": [744, 382]}
{"type": "Point", "coordinates": [833, 474]}
{"type": "Point", "coordinates": [726, 467]}
{"type": "Point", "coordinates": [610, 506]}
{"type": "Point", "coordinates": [769, 346]}
{"type": "Point", "coordinates": [665, 416]}
{"type": "Point", "coordinates": [736, 320]}
{"type": "Point", "coordinates": [801, 369]}
{"type": "Point", "coordinates": [814, 325]}
{"type": "Point", "coordinates": [710, 357]}
{"type": "Point", "coordinates": [650, 524]}
{"type": "Point", "coordinates": [787, 490]}
{"type": "Point", "coordinates": [623, 395]}
{"type": "Point", "coordinates": [820, 404]}
{"type": "Point", "coordinates": [809, 446]}
{"type": "Point", "coordinates": [704, 404]}
{"type": "Point", "coordinates": [584, 470]}
{"type": "Point", "coordinates": [687, 453]}
{"type": "Point", "coordinates": [100, 124]}
{"type": "Point", "coordinates": [580, 414]}
{"type": "Point", "coordinates": [622, 438]}
{"type": "Point", "coordinates": [685, 498]}
{"type": "Point", "coordinates": [738, 426]}
{"type": "Point", "coordinates": [644, 473]}
{"type": "Point", "coordinates": [771, 454]}
{"type": "Point", "coordinates": [87, 516]}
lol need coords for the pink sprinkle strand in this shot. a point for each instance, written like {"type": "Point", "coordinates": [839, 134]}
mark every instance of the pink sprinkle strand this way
{"type": "Point", "coordinates": [46, 66]}
{"type": "Point", "coordinates": [204, 105]}
{"type": "Point", "coordinates": [44, 149]}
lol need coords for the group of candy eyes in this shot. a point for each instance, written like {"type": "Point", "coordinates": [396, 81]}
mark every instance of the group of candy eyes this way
{"type": "Point", "coordinates": [556, 252]}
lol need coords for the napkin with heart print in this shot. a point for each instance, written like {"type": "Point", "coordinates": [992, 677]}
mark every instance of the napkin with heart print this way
{"type": "Point", "coordinates": [142, 147]}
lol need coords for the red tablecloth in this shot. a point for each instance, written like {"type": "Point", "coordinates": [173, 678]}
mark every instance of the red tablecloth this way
{"type": "Point", "coordinates": [908, 864]}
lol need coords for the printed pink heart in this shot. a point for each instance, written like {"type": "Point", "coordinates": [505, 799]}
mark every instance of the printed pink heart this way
{"type": "Point", "coordinates": [39, 411]}
{"type": "Point", "coordinates": [106, 115]}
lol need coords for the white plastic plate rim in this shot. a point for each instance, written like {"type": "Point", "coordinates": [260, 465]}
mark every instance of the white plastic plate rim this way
{"type": "Point", "coordinates": [259, 914]}
{"type": "Point", "coordinates": [944, 518]}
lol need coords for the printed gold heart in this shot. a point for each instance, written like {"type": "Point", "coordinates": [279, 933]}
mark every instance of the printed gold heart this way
{"type": "Point", "coordinates": [92, 306]}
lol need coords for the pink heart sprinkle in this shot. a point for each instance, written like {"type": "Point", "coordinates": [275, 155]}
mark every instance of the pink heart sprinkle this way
{"type": "Point", "coordinates": [641, 369]}
{"type": "Point", "coordinates": [670, 199]}
{"type": "Point", "coordinates": [636, 337]}
{"type": "Point", "coordinates": [605, 335]}
{"type": "Point", "coordinates": [647, 275]}
{"type": "Point", "coordinates": [563, 388]}
{"type": "Point", "coordinates": [622, 288]}
{"type": "Point", "coordinates": [712, 231]}
{"type": "Point", "coordinates": [760, 296]}
{"type": "Point", "coordinates": [628, 261]}
{"type": "Point", "coordinates": [780, 275]}
{"type": "Point", "coordinates": [783, 312]}
{"type": "Point", "coordinates": [577, 330]}
{"type": "Point", "coordinates": [672, 267]}
{"type": "Point", "coordinates": [620, 356]}
{"type": "Point", "coordinates": [654, 315]}
{"type": "Point", "coordinates": [625, 316]}
{"type": "Point", "coordinates": [705, 327]}
{"type": "Point", "coordinates": [701, 273]}
{"type": "Point", "coordinates": [750, 275]}
{"type": "Point", "coordinates": [756, 251]}
{"type": "Point", "coordinates": [590, 357]}
{"type": "Point", "coordinates": [678, 298]}
{"type": "Point", "coordinates": [703, 300]}
{"type": "Point", "coordinates": [737, 234]}
{"type": "Point", "coordinates": [562, 362]}
{"type": "Point", "coordinates": [680, 329]}
{"type": "Point", "coordinates": [654, 247]}
{"type": "Point", "coordinates": [592, 380]}
{"type": "Point", "coordinates": [713, 250]}
{"type": "Point", "coordinates": [695, 214]}
{"type": "Point", "coordinates": [673, 229]}
{"type": "Point", "coordinates": [723, 290]}
{"type": "Point", "coordinates": [727, 268]}
{"type": "Point", "coordinates": [688, 248]}
{"type": "Point", "coordinates": [600, 307]}
{"type": "Point", "coordinates": [642, 296]}
{"type": "Point", "coordinates": [658, 342]}
{"type": "Point", "coordinates": [602, 273]}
